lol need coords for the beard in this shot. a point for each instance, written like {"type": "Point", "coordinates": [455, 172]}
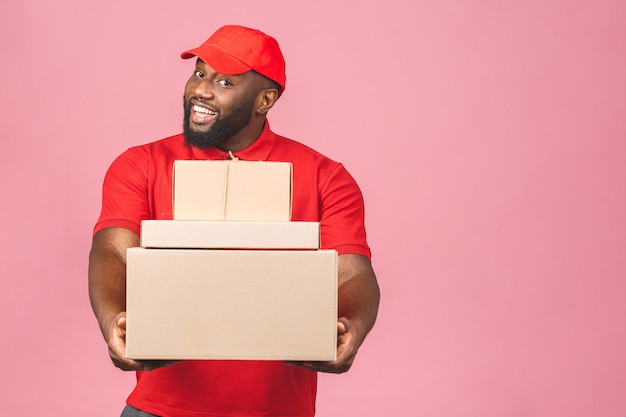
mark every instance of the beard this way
{"type": "Point", "coordinates": [222, 129]}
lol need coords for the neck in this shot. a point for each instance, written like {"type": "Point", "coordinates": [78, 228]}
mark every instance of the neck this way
{"type": "Point", "coordinates": [244, 138]}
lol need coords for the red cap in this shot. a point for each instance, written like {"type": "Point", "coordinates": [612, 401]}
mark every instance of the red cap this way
{"type": "Point", "coordinates": [237, 49]}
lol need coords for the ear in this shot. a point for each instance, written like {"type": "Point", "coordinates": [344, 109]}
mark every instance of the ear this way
{"type": "Point", "coordinates": [265, 100]}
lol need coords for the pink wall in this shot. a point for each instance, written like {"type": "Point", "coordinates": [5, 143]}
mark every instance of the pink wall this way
{"type": "Point", "coordinates": [490, 142]}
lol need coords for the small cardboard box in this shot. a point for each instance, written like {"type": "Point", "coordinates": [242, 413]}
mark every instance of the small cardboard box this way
{"type": "Point", "coordinates": [229, 235]}
{"type": "Point", "coordinates": [232, 190]}
{"type": "Point", "coordinates": [231, 304]}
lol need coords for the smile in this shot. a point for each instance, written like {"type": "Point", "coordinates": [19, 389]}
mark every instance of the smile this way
{"type": "Point", "coordinates": [202, 115]}
{"type": "Point", "coordinates": [204, 110]}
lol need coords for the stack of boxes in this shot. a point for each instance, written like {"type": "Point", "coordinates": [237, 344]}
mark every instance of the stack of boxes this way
{"type": "Point", "coordinates": [231, 277]}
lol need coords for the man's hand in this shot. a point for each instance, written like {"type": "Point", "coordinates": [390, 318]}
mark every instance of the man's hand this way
{"type": "Point", "coordinates": [117, 349]}
{"type": "Point", "coordinates": [346, 351]}
{"type": "Point", "coordinates": [358, 307]}
{"type": "Point", "coordinates": [107, 292]}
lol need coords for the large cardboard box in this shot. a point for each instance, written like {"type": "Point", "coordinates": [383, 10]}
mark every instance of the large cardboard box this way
{"type": "Point", "coordinates": [229, 235]}
{"type": "Point", "coordinates": [232, 190]}
{"type": "Point", "coordinates": [231, 304]}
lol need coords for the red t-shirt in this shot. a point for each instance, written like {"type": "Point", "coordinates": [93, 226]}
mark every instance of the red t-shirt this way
{"type": "Point", "coordinates": [138, 186]}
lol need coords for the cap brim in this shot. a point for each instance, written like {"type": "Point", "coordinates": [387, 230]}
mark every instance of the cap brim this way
{"type": "Point", "coordinates": [217, 59]}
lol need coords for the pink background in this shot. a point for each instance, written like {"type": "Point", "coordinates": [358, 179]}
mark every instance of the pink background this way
{"type": "Point", "coordinates": [489, 138]}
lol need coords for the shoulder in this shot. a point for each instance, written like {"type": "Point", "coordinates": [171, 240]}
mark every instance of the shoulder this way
{"type": "Point", "coordinates": [300, 154]}
{"type": "Point", "coordinates": [328, 175]}
{"type": "Point", "coordinates": [172, 144]}
{"type": "Point", "coordinates": [153, 152]}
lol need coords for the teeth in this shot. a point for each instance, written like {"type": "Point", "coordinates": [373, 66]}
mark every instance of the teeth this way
{"type": "Point", "coordinates": [203, 110]}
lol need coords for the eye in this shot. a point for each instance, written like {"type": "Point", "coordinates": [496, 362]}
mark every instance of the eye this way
{"type": "Point", "coordinates": [198, 74]}
{"type": "Point", "coordinates": [224, 82]}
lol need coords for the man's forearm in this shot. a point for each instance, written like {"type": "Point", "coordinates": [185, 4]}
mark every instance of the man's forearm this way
{"type": "Point", "coordinates": [359, 294]}
{"type": "Point", "coordinates": [107, 273]}
{"type": "Point", "coordinates": [358, 302]}
{"type": "Point", "coordinates": [107, 288]}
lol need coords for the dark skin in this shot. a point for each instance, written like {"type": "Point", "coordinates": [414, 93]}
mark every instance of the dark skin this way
{"type": "Point", "coordinates": [214, 91]}
{"type": "Point", "coordinates": [358, 294]}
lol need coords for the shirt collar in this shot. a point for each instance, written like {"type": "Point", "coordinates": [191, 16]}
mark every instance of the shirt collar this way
{"type": "Point", "coordinates": [258, 151]}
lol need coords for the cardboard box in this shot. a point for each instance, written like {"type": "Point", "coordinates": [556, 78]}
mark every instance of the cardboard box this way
{"type": "Point", "coordinates": [229, 235]}
{"type": "Point", "coordinates": [232, 190]}
{"type": "Point", "coordinates": [231, 304]}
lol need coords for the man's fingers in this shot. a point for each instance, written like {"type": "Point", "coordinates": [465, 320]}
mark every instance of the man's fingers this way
{"type": "Point", "coordinates": [151, 365]}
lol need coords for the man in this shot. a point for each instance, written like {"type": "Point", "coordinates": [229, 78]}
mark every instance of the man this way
{"type": "Point", "coordinates": [239, 75]}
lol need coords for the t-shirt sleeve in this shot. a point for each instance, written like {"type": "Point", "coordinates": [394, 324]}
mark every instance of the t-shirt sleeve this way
{"type": "Point", "coordinates": [342, 217]}
{"type": "Point", "coordinates": [125, 193]}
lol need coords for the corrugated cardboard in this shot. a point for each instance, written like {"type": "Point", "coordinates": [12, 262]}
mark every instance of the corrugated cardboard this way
{"type": "Point", "coordinates": [232, 190]}
{"type": "Point", "coordinates": [231, 304]}
{"type": "Point", "coordinates": [229, 235]}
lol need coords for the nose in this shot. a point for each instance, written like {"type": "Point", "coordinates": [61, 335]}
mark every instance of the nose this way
{"type": "Point", "coordinates": [202, 87]}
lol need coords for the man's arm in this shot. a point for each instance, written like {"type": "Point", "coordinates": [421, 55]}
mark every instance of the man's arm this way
{"type": "Point", "coordinates": [107, 292]}
{"type": "Point", "coordinates": [358, 299]}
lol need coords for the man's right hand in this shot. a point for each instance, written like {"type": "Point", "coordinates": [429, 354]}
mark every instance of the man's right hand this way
{"type": "Point", "coordinates": [117, 349]}
{"type": "Point", "coordinates": [107, 292]}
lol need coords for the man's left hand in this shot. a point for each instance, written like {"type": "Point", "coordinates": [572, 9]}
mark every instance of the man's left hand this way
{"type": "Point", "coordinates": [346, 351]}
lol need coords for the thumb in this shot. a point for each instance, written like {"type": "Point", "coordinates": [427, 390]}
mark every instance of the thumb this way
{"type": "Point", "coordinates": [343, 325]}
{"type": "Point", "coordinates": [121, 322]}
